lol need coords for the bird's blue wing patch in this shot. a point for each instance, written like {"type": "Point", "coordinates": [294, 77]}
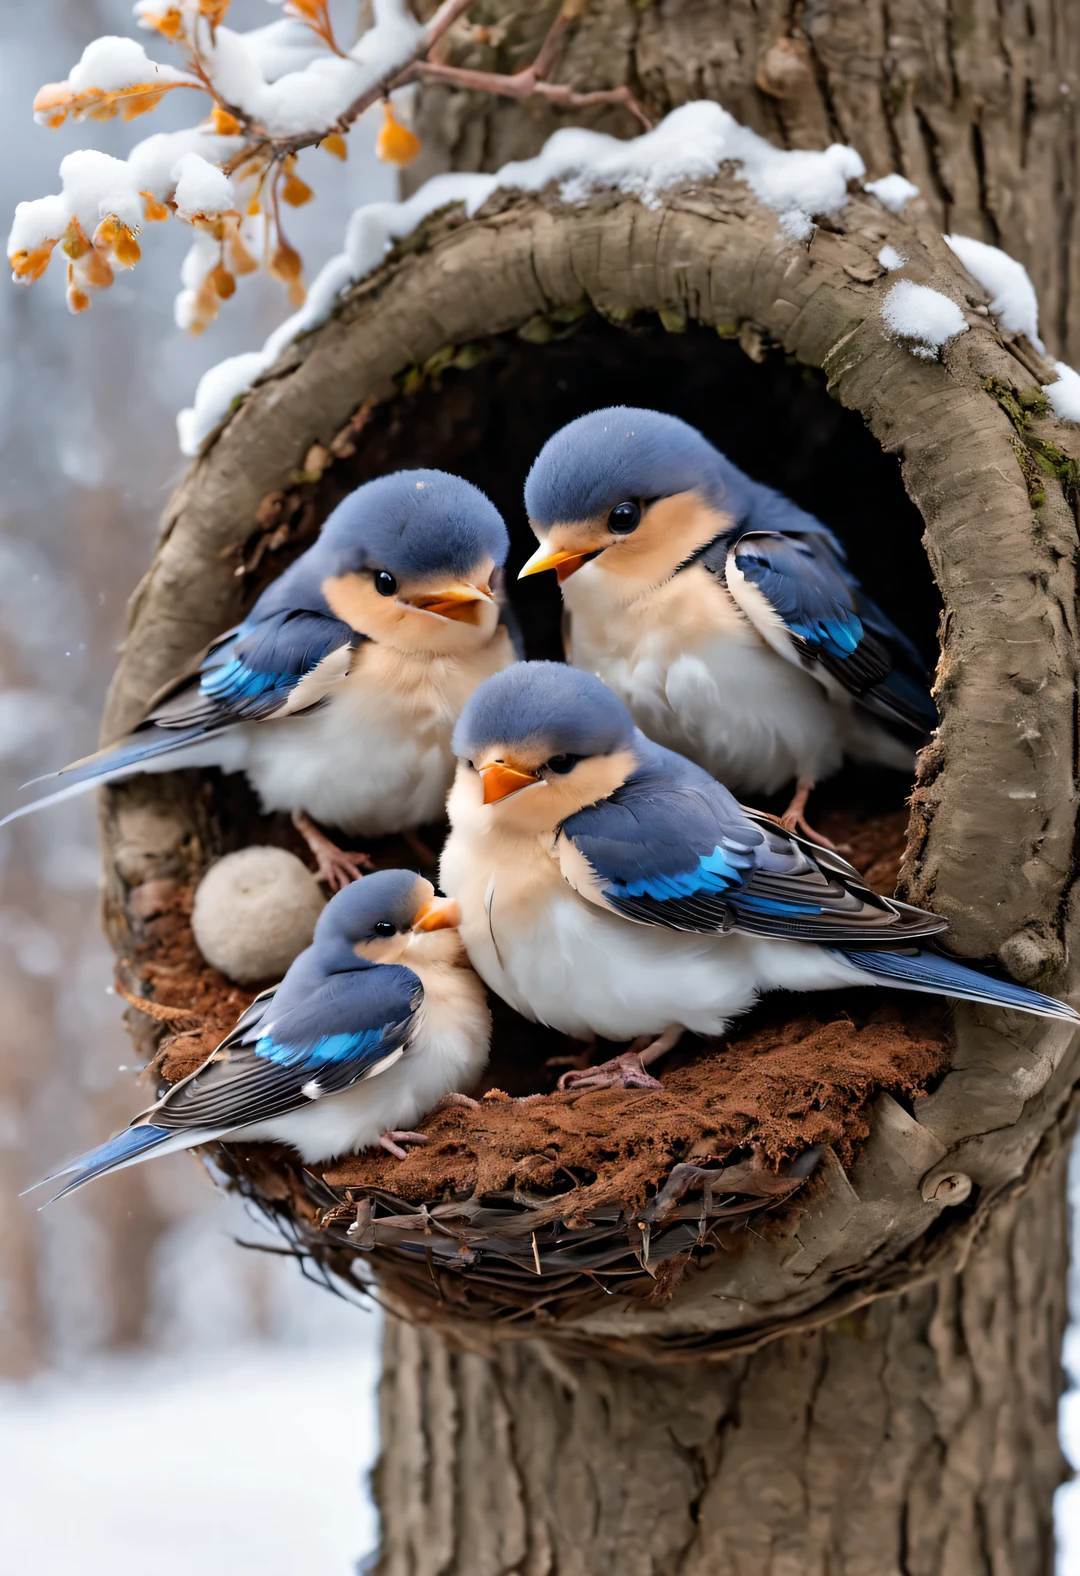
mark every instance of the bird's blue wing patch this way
{"type": "Point", "coordinates": [672, 847]}
{"type": "Point", "coordinates": [832, 622]}
{"type": "Point", "coordinates": [251, 674]}
{"type": "Point", "coordinates": [293, 1054]}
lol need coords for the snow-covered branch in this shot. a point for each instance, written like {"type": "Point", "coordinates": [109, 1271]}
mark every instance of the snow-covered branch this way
{"type": "Point", "coordinates": [273, 91]}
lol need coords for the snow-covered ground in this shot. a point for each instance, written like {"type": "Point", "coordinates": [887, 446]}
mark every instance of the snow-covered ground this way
{"type": "Point", "coordinates": [253, 1459]}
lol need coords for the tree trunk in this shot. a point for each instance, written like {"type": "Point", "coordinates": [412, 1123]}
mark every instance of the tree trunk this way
{"type": "Point", "coordinates": [882, 1385]}
{"type": "Point", "coordinates": [913, 1437]}
{"type": "Point", "coordinates": [977, 103]}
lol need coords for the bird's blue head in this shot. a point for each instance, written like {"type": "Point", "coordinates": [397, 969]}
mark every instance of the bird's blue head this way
{"type": "Point", "coordinates": [547, 727]}
{"type": "Point", "coordinates": [408, 558]}
{"type": "Point", "coordinates": [634, 490]}
{"type": "Point", "coordinates": [378, 917]}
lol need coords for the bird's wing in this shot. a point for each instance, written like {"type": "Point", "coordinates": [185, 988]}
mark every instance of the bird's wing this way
{"type": "Point", "coordinates": [350, 1027]}
{"type": "Point", "coordinates": [802, 599]}
{"type": "Point", "coordinates": [684, 854]}
{"type": "Point", "coordinates": [287, 663]}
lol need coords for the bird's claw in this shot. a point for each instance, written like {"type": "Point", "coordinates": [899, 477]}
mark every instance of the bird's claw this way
{"type": "Point", "coordinates": [449, 1101]}
{"type": "Point", "coordinates": [799, 823]}
{"type": "Point", "coordinates": [392, 1141]}
{"type": "Point", "coordinates": [621, 1072]}
{"type": "Point", "coordinates": [339, 867]}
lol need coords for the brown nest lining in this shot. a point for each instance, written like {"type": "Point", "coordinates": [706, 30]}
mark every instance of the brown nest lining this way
{"type": "Point", "coordinates": [545, 1203]}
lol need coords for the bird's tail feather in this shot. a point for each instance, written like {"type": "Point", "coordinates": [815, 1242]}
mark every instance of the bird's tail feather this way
{"type": "Point", "coordinates": [126, 1149]}
{"type": "Point", "coordinates": [111, 765]}
{"type": "Point", "coordinates": [941, 976]}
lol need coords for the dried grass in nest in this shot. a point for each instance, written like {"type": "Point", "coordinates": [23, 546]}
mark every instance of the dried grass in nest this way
{"type": "Point", "coordinates": [549, 1202]}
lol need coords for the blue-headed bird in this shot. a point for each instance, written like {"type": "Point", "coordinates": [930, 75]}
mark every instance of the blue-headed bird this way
{"type": "Point", "coordinates": [379, 1020]}
{"type": "Point", "coordinates": [722, 614]}
{"type": "Point", "coordinates": [338, 693]}
{"type": "Point", "coordinates": [609, 887]}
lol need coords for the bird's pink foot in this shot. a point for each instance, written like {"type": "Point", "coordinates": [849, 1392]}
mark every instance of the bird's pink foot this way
{"type": "Point", "coordinates": [794, 817]}
{"type": "Point", "coordinates": [621, 1072]}
{"type": "Point", "coordinates": [336, 866]}
{"type": "Point", "coordinates": [628, 1070]}
{"type": "Point", "coordinates": [449, 1101]}
{"type": "Point", "coordinates": [393, 1140]}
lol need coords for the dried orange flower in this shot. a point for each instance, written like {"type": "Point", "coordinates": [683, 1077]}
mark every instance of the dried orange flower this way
{"type": "Point", "coordinates": [396, 143]}
{"type": "Point", "coordinates": [153, 210]}
{"type": "Point", "coordinates": [336, 145]}
{"type": "Point", "coordinates": [296, 192]}
{"type": "Point", "coordinates": [74, 241]}
{"type": "Point", "coordinates": [240, 259]}
{"type": "Point", "coordinates": [221, 282]}
{"type": "Point", "coordinates": [169, 22]}
{"type": "Point", "coordinates": [28, 266]}
{"type": "Point", "coordinates": [77, 299]}
{"type": "Point", "coordinates": [286, 263]}
{"type": "Point", "coordinates": [52, 103]}
{"type": "Point", "coordinates": [225, 125]}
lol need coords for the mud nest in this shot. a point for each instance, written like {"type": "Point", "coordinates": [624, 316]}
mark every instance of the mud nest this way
{"type": "Point", "coordinates": [544, 1206]}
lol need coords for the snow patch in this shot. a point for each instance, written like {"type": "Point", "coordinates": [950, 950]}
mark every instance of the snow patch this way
{"type": "Point", "coordinates": [1014, 302]}
{"type": "Point", "coordinates": [922, 318]}
{"type": "Point", "coordinates": [201, 188]}
{"type": "Point", "coordinates": [690, 144]}
{"type": "Point", "coordinates": [892, 191]}
{"type": "Point", "coordinates": [1064, 395]}
{"type": "Point", "coordinates": [891, 259]}
{"type": "Point", "coordinates": [112, 64]}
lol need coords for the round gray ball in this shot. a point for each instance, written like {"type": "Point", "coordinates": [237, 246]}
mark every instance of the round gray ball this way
{"type": "Point", "coordinates": [254, 912]}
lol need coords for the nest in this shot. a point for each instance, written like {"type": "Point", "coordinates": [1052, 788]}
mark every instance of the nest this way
{"type": "Point", "coordinates": [540, 1204]}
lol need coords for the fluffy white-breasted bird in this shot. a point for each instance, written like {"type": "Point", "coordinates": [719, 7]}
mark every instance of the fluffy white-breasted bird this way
{"type": "Point", "coordinates": [374, 1024]}
{"type": "Point", "coordinates": [338, 693]}
{"type": "Point", "coordinates": [721, 613]}
{"type": "Point", "coordinates": [610, 887]}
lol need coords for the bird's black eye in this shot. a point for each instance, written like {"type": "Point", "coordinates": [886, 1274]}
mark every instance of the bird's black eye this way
{"type": "Point", "coordinates": [385, 584]}
{"type": "Point", "coordinates": [562, 763]}
{"type": "Point", "coordinates": [624, 518]}
{"type": "Point", "coordinates": [384, 927]}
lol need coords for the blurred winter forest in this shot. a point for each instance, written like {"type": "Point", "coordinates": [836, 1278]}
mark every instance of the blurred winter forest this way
{"type": "Point", "coordinates": [146, 1261]}
{"type": "Point", "coordinates": [136, 1338]}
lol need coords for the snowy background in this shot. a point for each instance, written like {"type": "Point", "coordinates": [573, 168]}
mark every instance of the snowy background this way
{"type": "Point", "coordinates": [142, 1353]}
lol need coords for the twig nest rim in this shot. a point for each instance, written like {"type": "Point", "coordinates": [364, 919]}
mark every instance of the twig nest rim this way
{"type": "Point", "coordinates": [255, 912]}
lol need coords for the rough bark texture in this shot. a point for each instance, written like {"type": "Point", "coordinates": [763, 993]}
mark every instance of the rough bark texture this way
{"type": "Point", "coordinates": [914, 1437]}
{"type": "Point", "coordinates": [882, 1405]}
{"type": "Point", "coordinates": [976, 101]}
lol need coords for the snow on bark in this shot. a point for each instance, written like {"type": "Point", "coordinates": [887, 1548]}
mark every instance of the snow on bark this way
{"type": "Point", "coordinates": [1006, 281]}
{"type": "Point", "coordinates": [892, 191]}
{"type": "Point", "coordinates": [923, 320]}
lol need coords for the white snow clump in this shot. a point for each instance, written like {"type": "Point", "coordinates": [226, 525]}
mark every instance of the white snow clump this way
{"type": "Point", "coordinates": [891, 259]}
{"type": "Point", "coordinates": [689, 144]}
{"type": "Point", "coordinates": [1014, 302]}
{"type": "Point", "coordinates": [922, 318]}
{"type": "Point", "coordinates": [893, 191]}
{"type": "Point", "coordinates": [1064, 395]}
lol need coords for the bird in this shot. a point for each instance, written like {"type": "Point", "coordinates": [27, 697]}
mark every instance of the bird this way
{"type": "Point", "coordinates": [374, 1025]}
{"type": "Point", "coordinates": [338, 693]}
{"type": "Point", "coordinates": [722, 614]}
{"type": "Point", "coordinates": [611, 888]}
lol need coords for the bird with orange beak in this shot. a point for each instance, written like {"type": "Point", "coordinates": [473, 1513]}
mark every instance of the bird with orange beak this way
{"type": "Point", "coordinates": [609, 887]}
{"type": "Point", "coordinates": [378, 1021]}
{"type": "Point", "coordinates": [720, 612]}
{"type": "Point", "coordinates": [338, 693]}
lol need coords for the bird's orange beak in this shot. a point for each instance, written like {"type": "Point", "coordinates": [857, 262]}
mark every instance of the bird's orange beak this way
{"type": "Point", "coordinates": [442, 913]}
{"type": "Point", "coordinates": [564, 563]}
{"type": "Point", "coordinates": [500, 781]}
{"type": "Point", "coordinates": [454, 601]}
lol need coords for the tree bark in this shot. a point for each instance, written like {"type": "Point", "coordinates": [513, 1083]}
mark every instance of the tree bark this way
{"type": "Point", "coordinates": [914, 1432]}
{"type": "Point", "coordinates": [913, 1437]}
{"type": "Point", "coordinates": [976, 103]}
